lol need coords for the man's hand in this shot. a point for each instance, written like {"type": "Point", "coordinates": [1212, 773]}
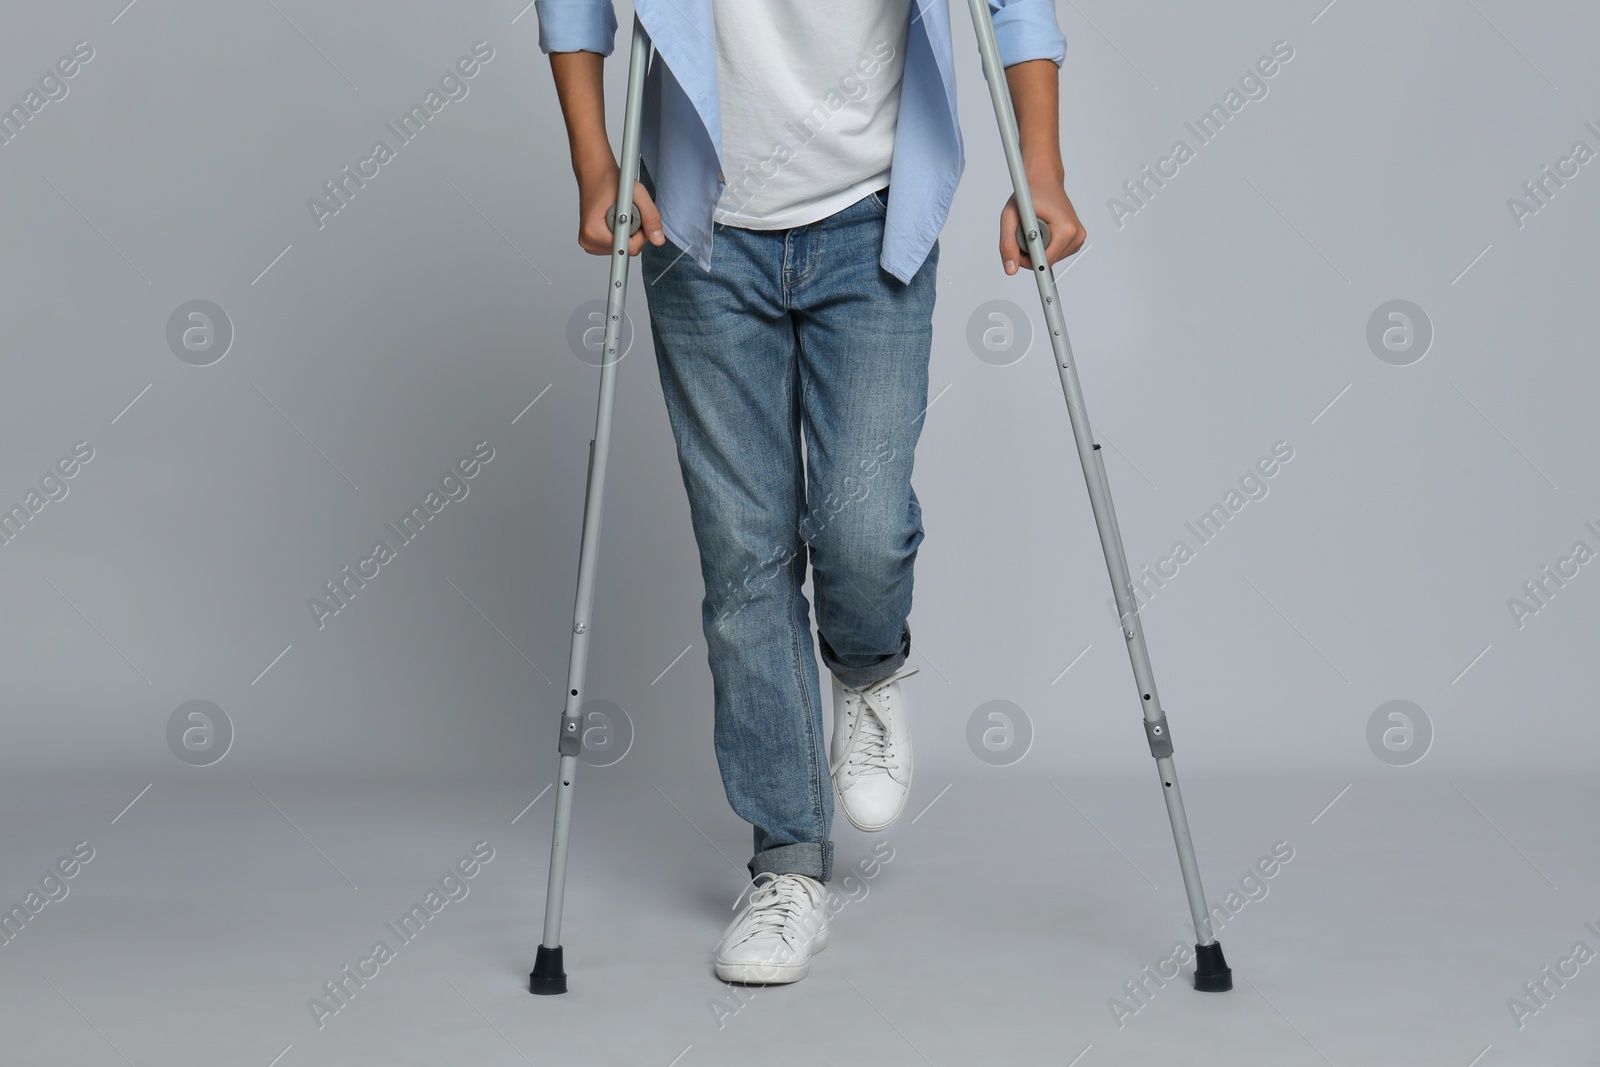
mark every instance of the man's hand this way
{"type": "Point", "coordinates": [582, 91]}
{"type": "Point", "coordinates": [1050, 203]}
{"type": "Point", "coordinates": [597, 192]}
{"type": "Point", "coordinates": [1035, 98]}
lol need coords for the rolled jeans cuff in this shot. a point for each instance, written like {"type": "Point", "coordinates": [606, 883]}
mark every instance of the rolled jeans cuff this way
{"type": "Point", "coordinates": [856, 677]}
{"type": "Point", "coordinates": [802, 857]}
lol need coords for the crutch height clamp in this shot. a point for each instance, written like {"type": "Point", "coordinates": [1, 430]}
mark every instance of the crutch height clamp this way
{"type": "Point", "coordinates": [571, 740]}
{"type": "Point", "coordinates": [1159, 736]}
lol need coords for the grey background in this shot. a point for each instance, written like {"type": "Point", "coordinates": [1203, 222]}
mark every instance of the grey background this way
{"type": "Point", "coordinates": [368, 356]}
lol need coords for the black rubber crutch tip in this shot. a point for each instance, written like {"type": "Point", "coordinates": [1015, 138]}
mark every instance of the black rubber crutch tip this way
{"type": "Point", "coordinates": [1044, 235]}
{"type": "Point", "coordinates": [547, 978]}
{"type": "Point", "coordinates": [1211, 972]}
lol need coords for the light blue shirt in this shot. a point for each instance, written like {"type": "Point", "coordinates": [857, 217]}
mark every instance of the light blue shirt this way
{"type": "Point", "coordinates": [681, 140]}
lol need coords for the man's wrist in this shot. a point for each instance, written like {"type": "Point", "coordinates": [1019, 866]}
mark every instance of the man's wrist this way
{"type": "Point", "coordinates": [593, 162]}
{"type": "Point", "coordinates": [1045, 167]}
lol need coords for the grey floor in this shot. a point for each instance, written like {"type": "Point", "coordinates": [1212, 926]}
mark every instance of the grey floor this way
{"type": "Point", "coordinates": [1010, 910]}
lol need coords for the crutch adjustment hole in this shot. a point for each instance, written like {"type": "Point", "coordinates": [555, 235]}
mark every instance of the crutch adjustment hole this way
{"type": "Point", "coordinates": [1167, 784]}
{"type": "Point", "coordinates": [1147, 696]}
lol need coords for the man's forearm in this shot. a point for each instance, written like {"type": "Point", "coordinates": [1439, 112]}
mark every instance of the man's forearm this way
{"type": "Point", "coordinates": [1035, 96]}
{"type": "Point", "coordinates": [580, 85]}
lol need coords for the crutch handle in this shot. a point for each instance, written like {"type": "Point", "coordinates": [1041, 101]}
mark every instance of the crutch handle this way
{"type": "Point", "coordinates": [611, 220]}
{"type": "Point", "coordinates": [1044, 235]}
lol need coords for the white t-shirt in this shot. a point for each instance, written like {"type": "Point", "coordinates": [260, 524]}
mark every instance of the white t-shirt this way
{"type": "Point", "coordinates": [810, 94]}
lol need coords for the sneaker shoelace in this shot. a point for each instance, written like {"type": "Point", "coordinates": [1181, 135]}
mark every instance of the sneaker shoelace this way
{"type": "Point", "coordinates": [775, 908]}
{"type": "Point", "coordinates": [870, 749]}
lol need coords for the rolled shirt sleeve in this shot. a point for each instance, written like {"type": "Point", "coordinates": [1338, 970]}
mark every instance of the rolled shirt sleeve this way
{"type": "Point", "coordinates": [1026, 29]}
{"type": "Point", "coordinates": [578, 25]}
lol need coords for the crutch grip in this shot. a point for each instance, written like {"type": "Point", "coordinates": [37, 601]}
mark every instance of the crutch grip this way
{"type": "Point", "coordinates": [1044, 235]}
{"type": "Point", "coordinates": [611, 220]}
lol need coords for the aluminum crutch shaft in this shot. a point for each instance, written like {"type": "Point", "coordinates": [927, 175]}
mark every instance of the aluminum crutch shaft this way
{"type": "Point", "coordinates": [548, 975]}
{"type": "Point", "coordinates": [1211, 970]}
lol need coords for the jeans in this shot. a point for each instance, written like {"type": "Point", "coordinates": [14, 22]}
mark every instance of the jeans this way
{"type": "Point", "coordinates": [794, 334]}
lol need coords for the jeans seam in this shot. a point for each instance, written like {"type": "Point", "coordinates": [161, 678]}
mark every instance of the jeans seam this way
{"type": "Point", "coordinates": [784, 269]}
{"type": "Point", "coordinates": [812, 713]}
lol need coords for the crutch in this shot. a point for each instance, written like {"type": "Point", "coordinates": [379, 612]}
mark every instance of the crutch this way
{"type": "Point", "coordinates": [1211, 973]}
{"type": "Point", "coordinates": [548, 976]}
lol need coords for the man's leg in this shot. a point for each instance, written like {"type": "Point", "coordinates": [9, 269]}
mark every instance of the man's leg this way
{"type": "Point", "coordinates": [726, 352]}
{"type": "Point", "coordinates": [865, 339]}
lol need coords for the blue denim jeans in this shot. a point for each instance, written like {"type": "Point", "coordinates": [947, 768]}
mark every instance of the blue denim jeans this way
{"type": "Point", "coordinates": [794, 334]}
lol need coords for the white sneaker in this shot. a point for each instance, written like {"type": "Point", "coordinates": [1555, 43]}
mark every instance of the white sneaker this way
{"type": "Point", "coordinates": [782, 926]}
{"type": "Point", "coordinates": [870, 757]}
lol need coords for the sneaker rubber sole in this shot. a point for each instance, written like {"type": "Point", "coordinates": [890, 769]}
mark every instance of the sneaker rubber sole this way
{"type": "Point", "coordinates": [758, 973]}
